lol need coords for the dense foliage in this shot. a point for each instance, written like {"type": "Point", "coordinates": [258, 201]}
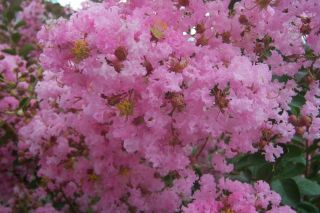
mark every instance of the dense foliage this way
{"type": "Point", "coordinates": [160, 106]}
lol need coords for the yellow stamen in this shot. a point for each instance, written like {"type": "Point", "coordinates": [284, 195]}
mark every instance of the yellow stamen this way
{"type": "Point", "coordinates": [263, 3]}
{"type": "Point", "coordinates": [125, 107]}
{"type": "Point", "coordinates": [93, 177]}
{"type": "Point", "coordinates": [80, 50]}
{"type": "Point", "coordinates": [227, 210]}
{"type": "Point", "coordinates": [124, 171]}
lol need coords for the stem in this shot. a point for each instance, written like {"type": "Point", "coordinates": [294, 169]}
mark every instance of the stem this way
{"type": "Point", "coordinates": [307, 171]}
{"type": "Point", "coordinates": [202, 148]}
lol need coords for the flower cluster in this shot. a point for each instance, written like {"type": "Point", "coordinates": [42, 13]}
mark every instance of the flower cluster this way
{"type": "Point", "coordinates": [32, 17]}
{"type": "Point", "coordinates": [143, 103]}
{"type": "Point", "coordinates": [19, 73]}
{"type": "Point", "coordinates": [233, 196]}
{"type": "Point", "coordinates": [17, 106]}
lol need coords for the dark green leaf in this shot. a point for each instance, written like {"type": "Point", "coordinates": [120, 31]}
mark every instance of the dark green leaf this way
{"type": "Point", "coordinates": [25, 50]}
{"type": "Point", "coordinates": [20, 24]}
{"type": "Point", "coordinates": [293, 154]}
{"type": "Point", "coordinates": [306, 207]}
{"type": "Point", "coordinates": [250, 160]}
{"type": "Point", "coordinates": [287, 170]}
{"type": "Point", "coordinates": [59, 205]}
{"type": "Point", "coordinates": [243, 176]}
{"type": "Point", "coordinates": [309, 54]}
{"type": "Point", "coordinates": [15, 37]}
{"type": "Point", "coordinates": [10, 51]}
{"type": "Point", "coordinates": [24, 103]}
{"type": "Point", "coordinates": [307, 187]}
{"type": "Point", "coordinates": [262, 172]}
{"type": "Point", "coordinates": [8, 15]}
{"type": "Point", "coordinates": [89, 210]}
{"type": "Point", "coordinates": [297, 139]}
{"type": "Point", "coordinates": [297, 102]}
{"type": "Point", "coordinates": [300, 75]}
{"type": "Point", "coordinates": [288, 190]}
{"type": "Point", "coordinates": [283, 78]}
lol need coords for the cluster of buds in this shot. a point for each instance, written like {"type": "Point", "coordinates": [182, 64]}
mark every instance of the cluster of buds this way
{"type": "Point", "coordinates": [301, 124]}
{"type": "Point", "coordinates": [121, 54]}
{"type": "Point", "coordinates": [268, 136]}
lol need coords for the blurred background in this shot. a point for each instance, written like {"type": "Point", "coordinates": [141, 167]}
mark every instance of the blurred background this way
{"type": "Point", "coordinates": [74, 4]}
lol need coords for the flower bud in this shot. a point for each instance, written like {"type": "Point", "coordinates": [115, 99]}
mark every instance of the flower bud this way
{"type": "Point", "coordinates": [293, 120]}
{"type": "Point", "coordinates": [305, 29]}
{"type": "Point", "coordinates": [121, 53]}
{"type": "Point", "coordinates": [300, 130]}
{"type": "Point", "coordinates": [200, 28]}
{"type": "Point", "coordinates": [243, 20]}
{"type": "Point", "coordinates": [305, 121]}
{"type": "Point", "coordinates": [183, 3]}
{"type": "Point", "coordinates": [202, 40]}
{"type": "Point", "coordinates": [309, 79]}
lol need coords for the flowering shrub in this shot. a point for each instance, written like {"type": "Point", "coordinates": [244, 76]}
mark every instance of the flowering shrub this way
{"type": "Point", "coordinates": [171, 106]}
{"type": "Point", "coordinates": [19, 72]}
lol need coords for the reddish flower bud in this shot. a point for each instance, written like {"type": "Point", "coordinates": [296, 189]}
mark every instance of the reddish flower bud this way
{"type": "Point", "coordinates": [293, 120]}
{"type": "Point", "coordinates": [121, 53]}
{"type": "Point", "coordinates": [300, 130]}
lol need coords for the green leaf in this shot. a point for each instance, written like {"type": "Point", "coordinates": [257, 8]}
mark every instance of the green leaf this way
{"type": "Point", "coordinates": [59, 205]}
{"type": "Point", "coordinates": [291, 164]}
{"type": "Point", "coordinates": [8, 15]}
{"type": "Point", "coordinates": [307, 187]}
{"type": "Point", "coordinates": [306, 207]}
{"type": "Point", "coordinates": [19, 24]}
{"type": "Point", "coordinates": [282, 78]}
{"type": "Point", "coordinates": [288, 170]}
{"type": "Point", "coordinates": [301, 75]}
{"type": "Point", "coordinates": [309, 54]}
{"type": "Point", "coordinates": [9, 133]}
{"type": "Point", "coordinates": [3, 27]}
{"type": "Point", "coordinates": [243, 176]}
{"type": "Point", "coordinates": [10, 51]}
{"type": "Point", "coordinates": [250, 160]}
{"type": "Point", "coordinates": [15, 37]}
{"type": "Point", "coordinates": [293, 154]}
{"type": "Point", "coordinates": [89, 210]}
{"type": "Point", "coordinates": [297, 102]}
{"type": "Point", "coordinates": [297, 139]}
{"type": "Point", "coordinates": [288, 190]}
{"type": "Point", "coordinates": [262, 172]}
{"type": "Point", "coordinates": [24, 103]}
{"type": "Point", "coordinates": [26, 49]}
